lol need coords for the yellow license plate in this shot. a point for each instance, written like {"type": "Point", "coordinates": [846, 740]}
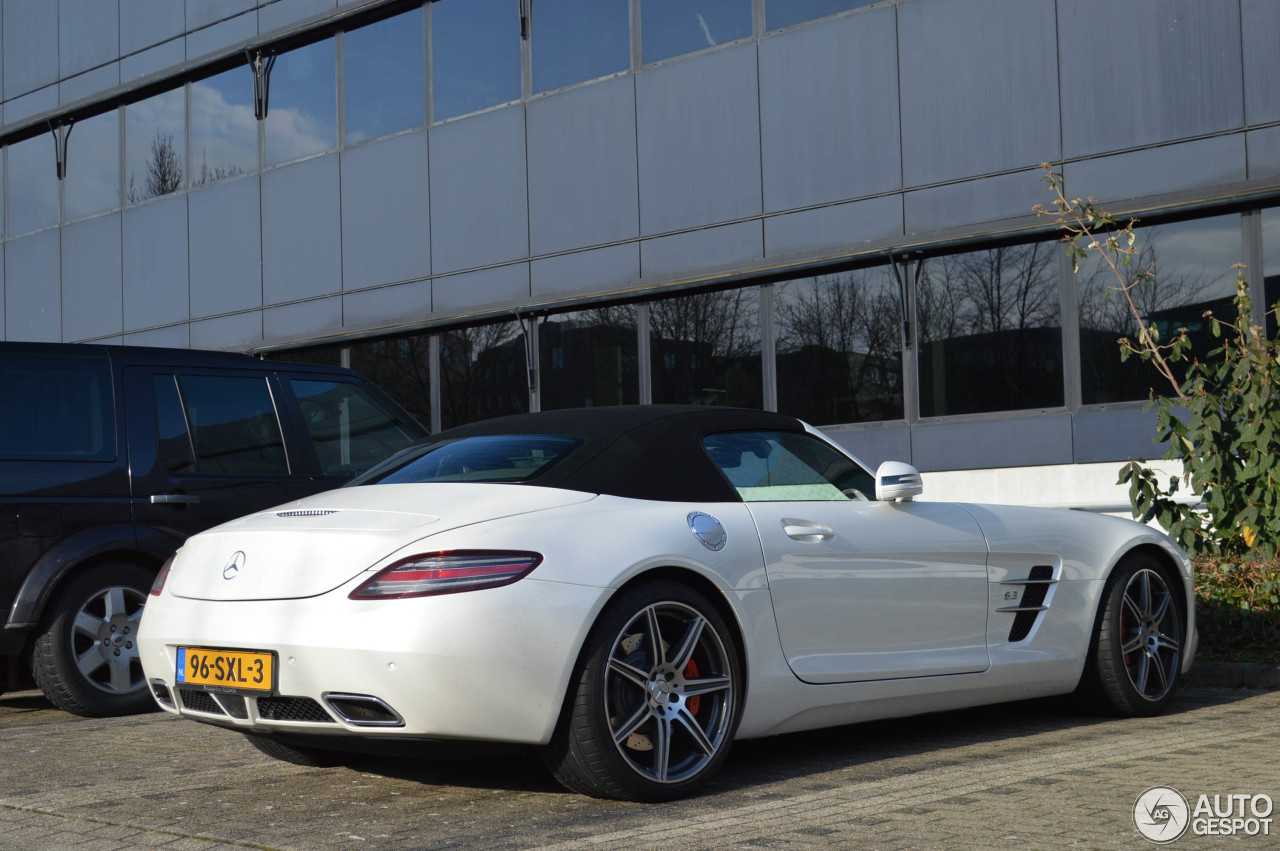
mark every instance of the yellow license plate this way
{"type": "Point", "coordinates": [241, 670]}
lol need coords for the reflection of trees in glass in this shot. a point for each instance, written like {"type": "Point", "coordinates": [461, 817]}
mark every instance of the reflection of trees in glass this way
{"type": "Point", "coordinates": [482, 373]}
{"type": "Point", "coordinates": [164, 171]}
{"type": "Point", "coordinates": [589, 358]}
{"type": "Point", "coordinates": [1176, 296]}
{"type": "Point", "coordinates": [210, 173]}
{"type": "Point", "coordinates": [839, 351]}
{"type": "Point", "coordinates": [402, 367]}
{"type": "Point", "coordinates": [706, 348]}
{"type": "Point", "coordinates": [990, 330]}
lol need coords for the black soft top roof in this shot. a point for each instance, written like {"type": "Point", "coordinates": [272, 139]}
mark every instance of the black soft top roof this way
{"type": "Point", "coordinates": [636, 451]}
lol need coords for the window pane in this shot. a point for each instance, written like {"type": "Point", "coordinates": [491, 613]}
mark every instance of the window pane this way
{"type": "Point", "coordinates": [589, 358]}
{"type": "Point", "coordinates": [302, 116]}
{"type": "Point", "coordinates": [234, 426]}
{"type": "Point", "coordinates": [706, 349]}
{"type": "Point", "coordinates": [671, 27]}
{"type": "Point", "coordinates": [1271, 266]}
{"type": "Point", "coordinates": [155, 146]}
{"type": "Point", "coordinates": [576, 40]}
{"type": "Point", "coordinates": [58, 407]}
{"type": "Point", "coordinates": [224, 133]}
{"type": "Point", "coordinates": [383, 68]}
{"type": "Point", "coordinates": [93, 166]}
{"type": "Point", "coordinates": [483, 373]}
{"type": "Point", "coordinates": [784, 13]}
{"type": "Point", "coordinates": [401, 367]}
{"type": "Point", "coordinates": [174, 441]}
{"type": "Point", "coordinates": [771, 466]}
{"type": "Point", "coordinates": [33, 184]}
{"type": "Point", "coordinates": [1192, 262]}
{"type": "Point", "coordinates": [350, 430]}
{"type": "Point", "coordinates": [990, 331]}
{"type": "Point", "coordinates": [839, 356]}
{"type": "Point", "coordinates": [475, 55]}
{"type": "Point", "coordinates": [488, 458]}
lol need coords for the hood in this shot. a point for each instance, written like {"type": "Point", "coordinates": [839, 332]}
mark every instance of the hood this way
{"type": "Point", "coordinates": [314, 545]}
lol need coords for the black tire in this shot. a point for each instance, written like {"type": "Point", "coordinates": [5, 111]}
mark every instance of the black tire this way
{"type": "Point", "coordinates": [85, 657]}
{"type": "Point", "coordinates": [1135, 656]}
{"type": "Point", "coordinates": [645, 719]}
{"type": "Point", "coordinates": [294, 754]}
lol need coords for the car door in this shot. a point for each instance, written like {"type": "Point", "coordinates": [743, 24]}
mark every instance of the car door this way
{"type": "Point", "coordinates": [862, 590]}
{"type": "Point", "coordinates": [206, 447]}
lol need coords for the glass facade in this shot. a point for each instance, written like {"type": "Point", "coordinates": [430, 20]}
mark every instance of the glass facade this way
{"type": "Point", "coordinates": [784, 13]}
{"type": "Point", "coordinates": [839, 347]}
{"type": "Point", "coordinates": [589, 358]}
{"type": "Point", "coordinates": [483, 373]}
{"type": "Point", "coordinates": [475, 56]}
{"type": "Point", "coordinates": [671, 27]}
{"type": "Point", "coordinates": [1271, 266]}
{"type": "Point", "coordinates": [382, 66]}
{"type": "Point", "coordinates": [303, 115]}
{"type": "Point", "coordinates": [989, 325]}
{"type": "Point", "coordinates": [577, 40]}
{"type": "Point", "coordinates": [93, 186]}
{"type": "Point", "coordinates": [224, 132]}
{"type": "Point", "coordinates": [706, 349]}
{"type": "Point", "coordinates": [1191, 263]}
{"type": "Point", "coordinates": [33, 184]}
{"type": "Point", "coordinates": [155, 146]}
{"type": "Point", "coordinates": [984, 332]}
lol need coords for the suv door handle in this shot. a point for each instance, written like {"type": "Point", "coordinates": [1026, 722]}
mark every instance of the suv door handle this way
{"type": "Point", "coordinates": [174, 499]}
{"type": "Point", "coordinates": [803, 530]}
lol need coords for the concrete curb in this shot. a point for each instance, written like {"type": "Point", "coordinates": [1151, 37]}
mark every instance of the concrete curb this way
{"type": "Point", "coordinates": [1255, 675]}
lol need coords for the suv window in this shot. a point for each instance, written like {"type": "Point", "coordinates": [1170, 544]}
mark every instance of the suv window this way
{"type": "Point", "coordinates": [227, 425]}
{"type": "Point", "coordinates": [771, 466]}
{"type": "Point", "coordinates": [350, 430]}
{"type": "Point", "coordinates": [56, 408]}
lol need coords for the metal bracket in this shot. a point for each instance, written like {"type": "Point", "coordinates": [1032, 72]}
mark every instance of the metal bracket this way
{"type": "Point", "coordinates": [61, 133]}
{"type": "Point", "coordinates": [904, 307]}
{"type": "Point", "coordinates": [261, 80]}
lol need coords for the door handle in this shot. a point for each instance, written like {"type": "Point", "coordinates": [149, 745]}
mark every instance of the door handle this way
{"type": "Point", "coordinates": [803, 530]}
{"type": "Point", "coordinates": [174, 499]}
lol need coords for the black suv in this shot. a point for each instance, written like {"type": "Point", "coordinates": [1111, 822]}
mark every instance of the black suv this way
{"type": "Point", "coordinates": [111, 456]}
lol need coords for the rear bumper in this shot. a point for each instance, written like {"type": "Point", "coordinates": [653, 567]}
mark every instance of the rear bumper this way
{"type": "Point", "coordinates": [491, 665]}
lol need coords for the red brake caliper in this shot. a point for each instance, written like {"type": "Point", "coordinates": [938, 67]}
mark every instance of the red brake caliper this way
{"type": "Point", "coordinates": [691, 673]}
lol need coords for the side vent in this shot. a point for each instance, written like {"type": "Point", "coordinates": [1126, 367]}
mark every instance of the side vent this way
{"type": "Point", "coordinates": [1035, 589]}
{"type": "Point", "coordinates": [307, 512]}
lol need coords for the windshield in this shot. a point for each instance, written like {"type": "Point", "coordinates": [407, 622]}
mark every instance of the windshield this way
{"type": "Point", "coordinates": [490, 458]}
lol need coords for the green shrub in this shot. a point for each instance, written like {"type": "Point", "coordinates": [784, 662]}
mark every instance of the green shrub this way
{"type": "Point", "coordinates": [1238, 607]}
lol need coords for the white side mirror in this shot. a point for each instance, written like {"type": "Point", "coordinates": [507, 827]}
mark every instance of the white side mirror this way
{"type": "Point", "coordinates": [896, 480]}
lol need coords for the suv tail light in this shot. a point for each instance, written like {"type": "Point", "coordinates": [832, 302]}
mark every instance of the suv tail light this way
{"type": "Point", "coordinates": [447, 572]}
{"type": "Point", "coordinates": [158, 585]}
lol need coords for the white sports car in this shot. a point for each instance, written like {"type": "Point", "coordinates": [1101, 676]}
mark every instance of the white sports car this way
{"type": "Point", "coordinates": [631, 589]}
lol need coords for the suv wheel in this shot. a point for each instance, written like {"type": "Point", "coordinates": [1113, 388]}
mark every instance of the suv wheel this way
{"type": "Point", "coordinates": [85, 658]}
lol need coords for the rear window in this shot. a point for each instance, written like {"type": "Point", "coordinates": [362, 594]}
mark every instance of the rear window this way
{"type": "Point", "coordinates": [489, 458]}
{"type": "Point", "coordinates": [57, 408]}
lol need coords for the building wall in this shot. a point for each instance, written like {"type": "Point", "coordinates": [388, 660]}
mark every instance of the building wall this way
{"type": "Point", "coordinates": [899, 125]}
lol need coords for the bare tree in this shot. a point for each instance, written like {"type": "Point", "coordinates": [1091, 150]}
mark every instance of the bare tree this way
{"type": "Point", "coordinates": [844, 329]}
{"type": "Point", "coordinates": [700, 344]}
{"type": "Point", "coordinates": [164, 171]}
{"type": "Point", "coordinates": [210, 173]}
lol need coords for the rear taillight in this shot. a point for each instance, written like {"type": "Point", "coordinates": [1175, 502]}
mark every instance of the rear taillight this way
{"type": "Point", "coordinates": [158, 585]}
{"type": "Point", "coordinates": [447, 572]}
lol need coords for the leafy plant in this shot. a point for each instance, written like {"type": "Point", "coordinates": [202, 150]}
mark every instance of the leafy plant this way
{"type": "Point", "coordinates": [1221, 416]}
